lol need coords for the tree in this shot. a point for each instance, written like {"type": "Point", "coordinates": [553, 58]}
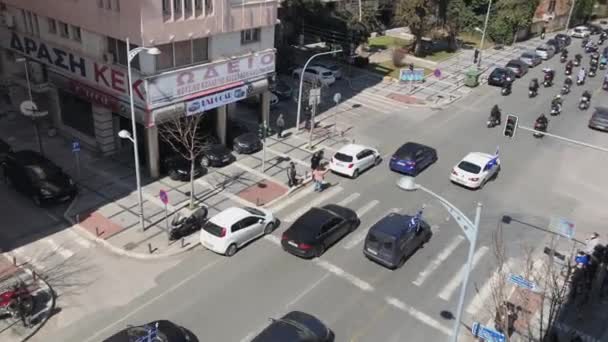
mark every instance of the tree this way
{"type": "Point", "coordinates": [511, 16]}
{"type": "Point", "coordinates": [457, 16]}
{"type": "Point", "coordinates": [582, 10]}
{"type": "Point", "coordinates": [181, 133]}
{"type": "Point", "coordinates": [415, 14]}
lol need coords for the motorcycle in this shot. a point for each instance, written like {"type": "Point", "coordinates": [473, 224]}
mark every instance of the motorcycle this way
{"type": "Point", "coordinates": [580, 81]}
{"type": "Point", "coordinates": [592, 72]}
{"type": "Point", "coordinates": [563, 58]}
{"type": "Point", "coordinates": [493, 122]}
{"type": "Point", "coordinates": [547, 82]}
{"type": "Point", "coordinates": [583, 104]}
{"type": "Point", "coordinates": [505, 91]}
{"type": "Point", "coordinates": [568, 71]}
{"type": "Point", "coordinates": [18, 300]}
{"type": "Point", "coordinates": [565, 89]}
{"type": "Point", "coordinates": [183, 226]}
{"type": "Point", "coordinates": [556, 109]}
{"type": "Point", "coordinates": [603, 65]}
{"type": "Point", "coordinates": [532, 93]}
{"type": "Point", "coordinates": [605, 85]}
{"type": "Point", "coordinates": [539, 127]}
{"type": "Point", "coordinates": [590, 48]}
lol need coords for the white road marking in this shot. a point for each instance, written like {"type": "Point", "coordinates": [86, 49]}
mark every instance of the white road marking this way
{"type": "Point", "coordinates": [481, 299]}
{"type": "Point", "coordinates": [362, 233]}
{"type": "Point", "coordinates": [362, 284]}
{"type": "Point", "coordinates": [274, 239]}
{"type": "Point", "coordinates": [449, 289]}
{"type": "Point", "coordinates": [419, 315]}
{"type": "Point", "coordinates": [369, 206]}
{"type": "Point", "coordinates": [64, 252]}
{"type": "Point", "coordinates": [227, 194]}
{"type": "Point", "coordinates": [79, 239]}
{"type": "Point", "coordinates": [441, 257]}
{"type": "Point", "coordinates": [323, 196]}
{"type": "Point", "coordinates": [288, 201]}
{"type": "Point", "coordinates": [349, 199]}
{"type": "Point", "coordinates": [306, 291]}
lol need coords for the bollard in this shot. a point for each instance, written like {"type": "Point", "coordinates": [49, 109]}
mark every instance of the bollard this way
{"type": "Point", "coordinates": [14, 260]}
{"type": "Point", "coordinates": [150, 248]}
{"type": "Point", "coordinates": [183, 245]}
{"type": "Point", "coordinates": [34, 275]}
{"type": "Point", "coordinates": [257, 202]}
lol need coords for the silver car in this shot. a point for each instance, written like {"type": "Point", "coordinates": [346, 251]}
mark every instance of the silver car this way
{"type": "Point", "coordinates": [530, 58]}
{"type": "Point", "coordinates": [599, 119]}
{"type": "Point", "coordinates": [545, 51]}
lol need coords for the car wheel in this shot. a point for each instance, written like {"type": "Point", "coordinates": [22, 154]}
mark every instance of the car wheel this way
{"type": "Point", "coordinates": [231, 250]}
{"type": "Point", "coordinates": [205, 162]}
{"type": "Point", "coordinates": [355, 174]}
{"type": "Point", "coordinates": [269, 228]}
{"type": "Point", "coordinates": [319, 251]}
{"type": "Point", "coordinates": [37, 200]}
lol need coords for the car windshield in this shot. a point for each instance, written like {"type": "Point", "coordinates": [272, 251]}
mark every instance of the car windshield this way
{"type": "Point", "coordinates": [213, 228]}
{"type": "Point", "coordinates": [327, 73]}
{"type": "Point", "coordinates": [469, 167]}
{"type": "Point", "coordinates": [254, 211]}
{"type": "Point", "coordinates": [527, 55]}
{"type": "Point", "coordinates": [343, 157]}
{"type": "Point", "coordinates": [513, 65]}
{"type": "Point", "coordinates": [541, 48]}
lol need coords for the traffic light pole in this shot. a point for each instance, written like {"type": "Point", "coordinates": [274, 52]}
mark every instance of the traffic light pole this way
{"type": "Point", "coordinates": [264, 148]}
{"type": "Point", "coordinates": [595, 147]}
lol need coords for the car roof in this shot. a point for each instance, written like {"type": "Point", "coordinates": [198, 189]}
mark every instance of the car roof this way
{"type": "Point", "coordinates": [530, 52]}
{"type": "Point", "coordinates": [352, 149]}
{"type": "Point", "coordinates": [229, 216]}
{"type": "Point", "coordinates": [478, 158]}
{"type": "Point", "coordinates": [295, 324]}
{"type": "Point", "coordinates": [411, 146]}
{"type": "Point", "coordinates": [318, 68]}
{"type": "Point", "coordinates": [312, 220]}
{"type": "Point", "coordinates": [515, 61]}
{"type": "Point", "coordinates": [393, 224]}
{"type": "Point", "coordinates": [601, 111]}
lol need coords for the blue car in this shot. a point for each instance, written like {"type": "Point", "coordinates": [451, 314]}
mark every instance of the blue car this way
{"type": "Point", "coordinates": [411, 158]}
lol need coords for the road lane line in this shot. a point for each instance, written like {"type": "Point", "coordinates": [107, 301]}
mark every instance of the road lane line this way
{"type": "Point", "coordinates": [441, 257]}
{"type": "Point", "coordinates": [64, 252]}
{"type": "Point", "coordinates": [419, 315]}
{"type": "Point", "coordinates": [481, 299]}
{"type": "Point", "coordinates": [362, 284]}
{"type": "Point", "coordinates": [362, 233]}
{"type": "Point", "coordinates": [369, 206]}
{"type": "Point", "coordinates": [449, 289]}
{"type": "Point", "coordinates": [323, 196]}
{"type": "Point", "coordinates": [306, 291]}
{"type": "Point", "coordinates": [349, 199]}
{"type": "Point", "coordinates": [288, 201]}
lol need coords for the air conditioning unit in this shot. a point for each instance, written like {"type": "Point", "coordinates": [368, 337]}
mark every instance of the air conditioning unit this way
{"type": "Point", "coordinates": [7, 20]}
{"type": "Point", "coordinates": [108, 57]}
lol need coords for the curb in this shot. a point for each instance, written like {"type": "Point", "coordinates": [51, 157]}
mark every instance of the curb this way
{"type": "Point", "coordinates": [288, 193]}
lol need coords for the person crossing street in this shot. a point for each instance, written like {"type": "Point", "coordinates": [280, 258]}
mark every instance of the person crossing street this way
{"type": "Point", "coordinates": [280, 126]}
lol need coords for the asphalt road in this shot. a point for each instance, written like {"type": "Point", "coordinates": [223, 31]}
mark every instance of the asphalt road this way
{"type": "Point", "coordinates": [231, 299]}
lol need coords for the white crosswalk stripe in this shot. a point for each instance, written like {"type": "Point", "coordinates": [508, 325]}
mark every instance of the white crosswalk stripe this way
{"type": "Point", "coordinates": [453, 284]}
{"type": "Point", "coordinates": [290, 200]}
{"type": "Point", "coordinates": [349, 199]}
{"type": "Point", "coordinates": [361, 233]}
{"type": "Point", "coordinates": [441, 257]}
{"type": "Point", "coordinates": [323, 196]}
{"type": "Point", "coordinates": [481, 299]}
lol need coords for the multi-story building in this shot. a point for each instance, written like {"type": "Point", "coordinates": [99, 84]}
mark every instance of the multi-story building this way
{"type": "Point", "coordinates": [213, 53]}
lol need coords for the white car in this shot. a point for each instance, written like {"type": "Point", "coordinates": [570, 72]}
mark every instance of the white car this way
{"type": "Point", "coordinates": [353, 159]}
{"type": "Point", "coordinates": [234, 227]}
{"type": "Point", "coordinates": [475, 169]}
{"type": "Point", "coordinates": [316, 73]}
{"type": "Point", "coordinates": [335, 68]}
{"type": "Point", "coordinates": [580, 32]}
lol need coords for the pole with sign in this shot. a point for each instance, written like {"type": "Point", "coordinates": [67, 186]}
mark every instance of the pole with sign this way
{"type": "Point", "coordinates": [314, 97]}
{"type": "Point", "coordinates": [76, 151]}
{"type": "Point", "coordinates": [522, 282]}
{"type": "Point", "coordinates": [265, 129]}
{"type": "Point", "coordinates": [337, 99]}
{"type": "Point", "coordinates": [487, 334]}
{"type": "Point", "coordinates": [162, 194]}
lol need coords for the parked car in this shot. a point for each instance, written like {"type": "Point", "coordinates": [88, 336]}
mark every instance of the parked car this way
{"type": "Point", "coordinates": [166, 331]}
{"type": "Point", "coordinates": [317, 229]}
{"type": "Point", "coordinates": [282, 90]}
{"type": "Point", "coordinates": [475, 169]}
{"type": "Point", "coordinates": [499, 76]}
{"type": "Point", "coordinates": [5, 150]}
{"type": "Point", "coordinates": [234, 227]}
{"type": "Point", "coordinates": [580, 32]}
{"type": "Point", "coordinates": [519, 68]}
{"type": "Point", "coordinates": [334, 67]}
{"type": "Point", "coordinates": [178, 168]}
{"type": "Point", "coordinates": [241, 139]}
{"type": "Point", "coordinates": [411, 158]}
{"type": "Point", "coordinates": [185, 225]}
{"type": "Point", "coordinates": [599, 119]}
{"type": "Point", "coordinates": [353, 159]}
{"type": "Point", "coordinates": [393, 239]}
{"type": "Point", "coordinates": [216, 155]}
{"type": "Point", "coordinates": [316, 74]}
{"type": "Point", "coordinates": [530, 58]}
{"type": "Point", "coordinates": [557, 44]}
{"type": "Point", "coordinates": [545, 51]}
{"type": "Point", "coordinates": [564, 38]}
{"type": "Point", "coordinates": [38, 178]}
{"type": "Point", "coordinates": [296, 326]}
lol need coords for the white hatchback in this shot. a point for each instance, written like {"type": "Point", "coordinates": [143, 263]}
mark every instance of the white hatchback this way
{"type": "Point", "coordinates": [234, 227]}
{"type": "Point", "coordinates": [316, 73]}
{"type": "Point", "coordinates": [580, 32]}
{"type": "Point", "coordinates": [475, 169]}
{"type": "Point", "coordinates": [353, 159]}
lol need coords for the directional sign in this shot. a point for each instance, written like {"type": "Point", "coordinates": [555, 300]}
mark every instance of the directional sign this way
{"type": "Point", "coordinates": [562, 226]}
{"type": "Point", "coordinates": [163, 196]}
{"type": "Point", "coordinates": [75, 146]}
{"type": "Point", "coordinates": [488, 334]}
{"type": "Point", "coordinates": [522, 282]}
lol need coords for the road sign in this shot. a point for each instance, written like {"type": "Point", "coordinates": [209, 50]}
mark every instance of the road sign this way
{"type": "Point", "coordinates": [522, 282]}
{"type": "Point", "coordinates": [29, 108]}
{"type": "Point", "coordinates": [314, 96]}
{"type": "Point", "coordinates": [411, 75]}
{"type": "Point", "coordinates": [488, 334]}
{"type": "Point", "coordinates": [562, 226]}
{"type": "Point", "coordinates": [437, 73]}
{"type": "Point", "coordinates": [75, 146]}
{"type": "Point", "coordinates": [163, 196]}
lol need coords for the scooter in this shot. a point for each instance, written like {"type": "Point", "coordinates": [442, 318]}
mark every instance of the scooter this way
{"type": "Point", "coordinates": [592, 72]}
{"type": "Point", "coordinates": [547, 82]}
{"type": "Point", "coordinates": [539, 127]}
{"type": "Point", "coordinates": [583, 103]}
{"type": "Point", "coordinates": [556, 109]}
{"type": "Point", "coordinates": [493, 122]}
{"type": "Point", "coordinates": [568, 71]}
{"type": "Point", "coordinates": [16, 300]}
{"type": "Point", "coordinates": [563, 58]}
{"type": "Point", "coordinates": [580, 81]}
{"type": "Point", "coordinates": [565, 89]}
{"type": "Point", "coordinates": [532, 93]}
{"type": "Point", "coordinates": [183, 226]}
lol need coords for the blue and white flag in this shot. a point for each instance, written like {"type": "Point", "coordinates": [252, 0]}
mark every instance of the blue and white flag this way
{"type": "Point", "coordinates": [415, 220]}
{"type": "Point", "coordinates": [494, 161]}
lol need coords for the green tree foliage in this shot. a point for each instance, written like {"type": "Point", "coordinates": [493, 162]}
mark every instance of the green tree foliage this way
{"type": "Point", "coordinates": [458, 16]}
{"type": "Point", "coordinates": [509, 17]}
{"type": "Point", "coordinates": [415, 14]}
{"type": "Point", "coordinates": [582, 10]}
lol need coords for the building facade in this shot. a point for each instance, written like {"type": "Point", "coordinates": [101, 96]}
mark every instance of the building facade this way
{"type": "Point", "coordinates": [213, 53]}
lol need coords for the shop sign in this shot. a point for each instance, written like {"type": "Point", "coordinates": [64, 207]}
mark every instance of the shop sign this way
{"type": "Point", "coordinates": [187, 83]}
{"type": "Point", "coordinates": [209, 102]}
{"type": "Point", "coordinates": [109, 78]}
{"type": "Point", "coordinates": [97, 97]}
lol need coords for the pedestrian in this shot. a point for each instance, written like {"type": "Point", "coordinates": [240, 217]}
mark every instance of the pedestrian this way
{"type": "Point", "coordinates": [475, 56]}
{"type": "Point", "coordinates": [280, 126]}
{"type": "Point", "coordinates": [542, 32]}
{"type": "Point", "coordinates": [292, 176]}
{"type": "Point", "coordinates": [315, 161]}
{"type": "Point", "coordinates": [318, 177]}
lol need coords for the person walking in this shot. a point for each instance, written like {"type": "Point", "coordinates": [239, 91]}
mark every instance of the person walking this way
{"type": "Point", "coordinates": [475, 56]}
{"type": "Point", "coordinates": [280, 126]}
{"type": "Point", "coordinates": [542, 32]}
{"type": "Point", "coordinates": [592, 242]}
{"type": "Point", "coordinates": [315, 161]}
{"type": "Point", "coordinates": [318, 177]}
{"type": "Point", "coordinates": [292, 176]}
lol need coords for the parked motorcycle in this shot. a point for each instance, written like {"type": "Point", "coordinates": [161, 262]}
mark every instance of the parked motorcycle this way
{"type": "Point", "coordinates": [183, 226]}
{"type": "Point", "coordinates": [18, 300]}
{"type": "Point", "coordinates": [592, 72]}
{"type": "Point", "coordinates": [493, 122]}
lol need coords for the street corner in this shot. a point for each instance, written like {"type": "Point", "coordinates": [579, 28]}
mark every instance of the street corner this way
{"type": "Point", "coordinates": [98, 225]}
{"type": "Point", "coordinates": [263, 192]}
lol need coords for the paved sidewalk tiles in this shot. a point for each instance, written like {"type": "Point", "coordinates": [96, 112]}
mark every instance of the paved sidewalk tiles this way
{"type": "Point", "coordinates": [263, 192]}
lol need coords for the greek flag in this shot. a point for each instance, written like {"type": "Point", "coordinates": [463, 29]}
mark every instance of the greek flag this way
{"type": "Point", "coordinates": [151, 336]}
{"type": "Point", "coordinates": [415, 220]}
{"type": "Point", "coordinates": [494, 161]}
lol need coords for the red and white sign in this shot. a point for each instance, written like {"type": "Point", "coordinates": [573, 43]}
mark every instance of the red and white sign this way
{"type": "Point", "coordinates": [184, 84]}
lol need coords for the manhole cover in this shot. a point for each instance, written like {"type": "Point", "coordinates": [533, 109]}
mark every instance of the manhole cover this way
{"type": "Point", "coordinates": [130, 246]}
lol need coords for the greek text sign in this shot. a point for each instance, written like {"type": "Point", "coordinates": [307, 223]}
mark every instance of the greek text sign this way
{"type": "Point", "coordinates": [215, 100]}
{"type": "Point", "coordinates": [173, 86]}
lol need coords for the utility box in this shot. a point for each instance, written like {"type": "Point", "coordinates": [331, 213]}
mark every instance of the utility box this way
{"type": "Point", "coordinates": [471, 78]}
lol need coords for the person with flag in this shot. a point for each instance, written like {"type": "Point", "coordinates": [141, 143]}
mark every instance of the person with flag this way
{"type": "Point", "coordinates": [415, 220]}
{"type": "Point", "coordinates": [494, 161]}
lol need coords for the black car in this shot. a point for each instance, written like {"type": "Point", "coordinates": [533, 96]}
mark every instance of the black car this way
{"type": "Point", "coordinates": [595, 29]}
{"type": "Point", "coordinates": [38, 178]}
{"type": "Point", "coordinates": [282, 90]}
{"type": "Point", "coordinates": [557, 44]}
{"type": "Point", "coordinates": [599, 119]}
{"type": "Point", "coordinates": [564, 38]}
{"type": "Point", "coordinates": [178, 168]}
{"type": "Point", "coordinates": [317, 229]}
{"type": "Point", "coordinates": [519, 68]}
{"type": "Point", "coordinates": [216, 155]}
{"type": "Point", "coordinates": [5, 150]}
{"type": "Point", "coordinates": [394, 238]}
{"type": "Point", "coordinates": [247, 143]}
{"type": "Point", "coordinates": [183, 226]}
{"type": "Point", "coordinates": [411, 158]}
{"type": "Point", "coordinates": [163, 331]}
{"type": "Point", "coordinates": [296, 326]}
{"type": "Point", "coordinates": [499, 76]}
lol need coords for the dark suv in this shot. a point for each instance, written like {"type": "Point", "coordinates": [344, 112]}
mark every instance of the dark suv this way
{"type": "Point", "coordinates": [394, 238]}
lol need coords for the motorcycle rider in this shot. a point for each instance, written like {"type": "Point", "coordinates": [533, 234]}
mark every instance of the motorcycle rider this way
{"type": "Point", "coordinates": [549, 73]}
{"type": "Point", "coordinates": [495, 114]}
{"type": "Point", "coordinates": [582, 74]}
{"type": "Point", "coordinates": [534, 85]}
{"type": "Point", "coordinates": [557, 102]}
{"type": "Point", "coordinates": [542, 121]}
{"type": "Point", "coordinates": [565, 53]}
{"type": "Point", "coordinates": [507, 85]}
{"type": "Point", "coordinates": [568, 81]}
{"type": "Point", "coordinates": [578, 58]}
{"type": "Point", "coordinates": [587, 95]}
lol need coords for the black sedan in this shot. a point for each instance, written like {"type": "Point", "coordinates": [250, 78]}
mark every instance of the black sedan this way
{"type": "Point", "coordinates": [499, 76]}
{"type": "Point", "coordinates": [38, 178]}
{"type": "Point", "coordinates": [317, 229]}
{"type": "Point", "coordinates": [165, 331]}
{"type": "Point", "coordinates": [411, 158]}
{"type": "Point", "coordinates": [216, 155]}
{"type": "Point", "coordinates": [296, 326]}
{"type": "Point", "coordinates": [178, 168]}
{"type": "Point", "coordinates": [247, 143]}
{"type": "Point", "coordinates": [564, 38]}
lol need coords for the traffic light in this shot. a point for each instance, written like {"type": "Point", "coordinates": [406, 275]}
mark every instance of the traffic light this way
{"type": "Point", "coordinates": [510, 126]}
{"type": "Point", "coordinates": [269, 131]}
{"type": "Point", "coordinates": [261, 132]}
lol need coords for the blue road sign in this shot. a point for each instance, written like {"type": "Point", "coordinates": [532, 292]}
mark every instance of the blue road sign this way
{"type": "Point", "coordinates": [163, 196]}
{"type": "Point", "coordinates": [488, 334]}
{"type": "Point", "coordinates": [522, 282]}
{"type": "Point", "coordinates": [75, 146]}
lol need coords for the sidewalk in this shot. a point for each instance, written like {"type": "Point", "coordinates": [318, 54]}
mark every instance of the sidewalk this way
{"type": "Point", "coordinates": [12, 329]}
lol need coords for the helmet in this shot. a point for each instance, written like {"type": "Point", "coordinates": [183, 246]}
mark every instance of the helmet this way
{"type": "Point", "coordinates": [558, 96]}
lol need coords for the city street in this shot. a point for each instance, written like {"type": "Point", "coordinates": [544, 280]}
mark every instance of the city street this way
{"type": "Point", "coordinates": [231, 299]}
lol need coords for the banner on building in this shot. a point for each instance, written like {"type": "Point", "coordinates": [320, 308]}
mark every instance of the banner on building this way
{"type": "Point", "coordinates": [215, 100]}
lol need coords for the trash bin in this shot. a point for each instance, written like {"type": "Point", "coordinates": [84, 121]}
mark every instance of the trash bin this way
{"type": "Point", "coordinates": [471, 78]}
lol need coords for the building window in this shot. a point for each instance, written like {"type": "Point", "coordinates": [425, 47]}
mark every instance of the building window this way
{"type": "Point", "coordinates": [250, 36]}
{"type": "Point", "coordinates": [200, 50]}
{"type": "Point", "coordinates": [118, 49]}
{"type": "Point", "coordinates": [208, 7]}
{"type": "Point", "coordinates": [109, 4]}
{"type": "Point", "coordinates": [76, 34]}
{"type": "Point", "coordinates": [183, 53]}
{"type": "Point", "coordinates": [64, 30]}
{"type": "Point", "coordinates": [166, 9]}
{"type": "Point", "coordinates": [52, 26]}
{"type": "Point", "coordinates": [177, 8]}
{"type": "Point", "coordinates": [165, 59]}
{"type": "Point", "coordinates": [178, 54]}
{"type": "Point", "coordinates": [552, 5]}
{"type": "Point", "coordinates": [187, 8]}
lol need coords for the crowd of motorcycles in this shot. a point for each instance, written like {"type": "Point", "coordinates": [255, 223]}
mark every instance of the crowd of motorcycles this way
{"type": "Point", "coordinates": [596, 61]}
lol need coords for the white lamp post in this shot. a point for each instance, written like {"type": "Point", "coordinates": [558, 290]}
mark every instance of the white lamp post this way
{"type": "Point", "coordinates": [483, 33]}
{"type": "Point", "coordinates": [31, 98]}
{"type": "Point", "coordinates": [131, 54]}
{"type": "Point", "coordinates": [470, 230]}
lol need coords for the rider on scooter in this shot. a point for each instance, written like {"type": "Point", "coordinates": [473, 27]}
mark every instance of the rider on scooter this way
{"type": "Point", "coordinates": [542, 120]}
{"type": "Point", "coordinates": [534, 85]}
{"type": "Point", "coordinates": [495, 114]}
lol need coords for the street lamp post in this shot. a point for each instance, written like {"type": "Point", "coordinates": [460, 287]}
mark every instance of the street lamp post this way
{"type": "Point", "coordinates": [302, 83]}
{"type": "Point", "coordinates": [131, 54]}
{"type": "Point", "coordinates": [483, 34]}
{"type": "Point", "coordinates": [31, 98]}
{"type": "Point", "coordinates": [470, 230]}
{"type": "Point", "coordinates": [570, 15]}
